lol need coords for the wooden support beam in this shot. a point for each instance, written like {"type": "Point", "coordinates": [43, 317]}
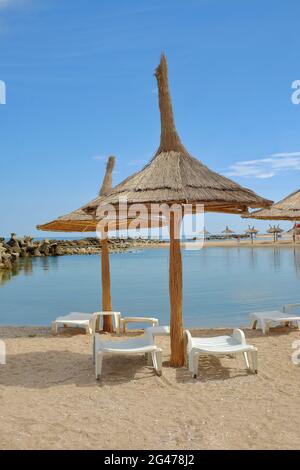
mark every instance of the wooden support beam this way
{"type": "Point", "coordinates": [175, 288]}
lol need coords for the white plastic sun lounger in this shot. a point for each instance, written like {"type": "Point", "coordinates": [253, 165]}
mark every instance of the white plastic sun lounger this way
{"type": "Point", "coordinates": [220, 346]}
{"type": "Point", "coordinates": [75, 320]}
{"type": "Point", "coordinates": [87, 321]}
{"type": "Point", "coordinates": [267, 319]}
{"type": "Point", "coordinates": [142, 345]}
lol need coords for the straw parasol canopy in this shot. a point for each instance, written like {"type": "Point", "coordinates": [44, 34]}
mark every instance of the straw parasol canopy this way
{"type": "Point", "coordinates": [204, 232]}
{"type": "Point", "coordinates": [275, 230]}
{"type": "Point", "coordinates": [173, 176]}
{"type": "Point", "coordinates": [252, 231]}
{"type": "Point", "coordinates": [286, 209]}
{"type": "Point", "coordinates": [228, 231]}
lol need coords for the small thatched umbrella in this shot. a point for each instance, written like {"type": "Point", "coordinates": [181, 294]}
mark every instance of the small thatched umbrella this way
{"type": "Point", "coordinates": [275, 231]}
{"type": "Point", "coordinates": [228, 231]}
{"type": "Point", "coordinates": [294, 231]}
{"type": "Point", "coordinates": [204, 233]}
{"type": "Point", "coordinates": [251, 231]}
{"type": "Point", "coordinates": [174, 177]}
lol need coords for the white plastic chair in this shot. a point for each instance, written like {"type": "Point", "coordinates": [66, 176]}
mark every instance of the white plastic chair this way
{"type": "Point", "coordinates": [220, 346]}
{"type": "Point", "coordinates": [267, 319]}
{"type": "Point", "coordinates": [87, 321]}
{"type": "Point", "coordinates": [75, 320]}
{"type": "Point", "coordinates": [142, 345]}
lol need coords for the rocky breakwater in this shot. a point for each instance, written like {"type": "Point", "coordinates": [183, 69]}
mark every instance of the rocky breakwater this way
{"type": "Point", "coordinates": [14, 249]}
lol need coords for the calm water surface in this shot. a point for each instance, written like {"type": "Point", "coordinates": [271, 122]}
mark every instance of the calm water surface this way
{"type": "Point", "coordinates": [221, 285]}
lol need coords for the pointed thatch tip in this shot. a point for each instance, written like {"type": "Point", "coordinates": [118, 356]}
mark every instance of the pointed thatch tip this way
{"type": "Point", "coordinates": [162, 68]}
{"type": "Point", "coordinates": [107, 182]}
{"type": "Point", "coordinates": [169, 140]}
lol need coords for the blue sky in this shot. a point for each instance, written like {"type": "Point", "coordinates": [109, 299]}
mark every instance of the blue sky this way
{"type": "Point", "coordinates": [80, 87]}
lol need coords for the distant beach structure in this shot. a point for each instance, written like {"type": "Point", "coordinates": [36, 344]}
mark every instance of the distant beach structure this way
{"type": "Point", "coordinates": [275, 231]}
{"type": "Point", "coordinates": [228, 232]}
{"type": "Point", "coordinates": [252, 232]}
{"type": "Point", "coordinates": [204, 233]}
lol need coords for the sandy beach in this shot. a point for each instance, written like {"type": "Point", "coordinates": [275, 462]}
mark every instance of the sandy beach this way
{"type": "Point", "coordinates": [50, 399]}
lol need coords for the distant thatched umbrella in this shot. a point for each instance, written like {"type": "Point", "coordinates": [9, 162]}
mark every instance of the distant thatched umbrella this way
{"type": "Point", "coordinates": [294, 231]}
{"type": "Point", "coordinates": [85, 220]}
{"type": "Point", "coordinates": [205, 233]}
{"type": "Point", "coordinates": [252, 231]}
{"type": "Point", "coordinates": [286, 209]}
{"type": "Point", "coordinates": [173, 176]}
{"type": "Point", "coordinates": [228, 231]}
{"type": "Point", "coordinates": [275, 231]}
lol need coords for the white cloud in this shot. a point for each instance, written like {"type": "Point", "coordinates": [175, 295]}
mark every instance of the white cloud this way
{"type": "Point", "coordinates": [266, 167]}
{"type": "Point", "coordinates": [11, 3]}
{"type": "Point", "coordinates": [100, 158]}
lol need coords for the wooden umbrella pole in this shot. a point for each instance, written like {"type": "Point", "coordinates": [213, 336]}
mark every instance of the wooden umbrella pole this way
{"type": "Point", "coordinates": [105, 267]}
{"type": "Point", "coordinates": [175, 287]}
{"type": "Point", "coordinates": [106, 297]}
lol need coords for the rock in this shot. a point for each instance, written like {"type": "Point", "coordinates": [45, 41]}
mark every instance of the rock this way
{"type": "Point", "coordinates": [14, 244]}
{"type": "Point", "coordinates": [45, 247]}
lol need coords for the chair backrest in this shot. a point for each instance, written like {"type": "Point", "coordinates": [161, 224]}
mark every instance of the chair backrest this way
{"type": "Point", "coordinates": [239, 336]}
{"type": "Point", "coordinates": [290, 308]}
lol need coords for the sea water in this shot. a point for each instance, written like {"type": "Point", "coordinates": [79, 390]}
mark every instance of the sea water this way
{"type": "Point", "coordinates": [221, 285]}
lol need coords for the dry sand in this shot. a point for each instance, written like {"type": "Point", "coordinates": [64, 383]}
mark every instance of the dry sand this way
{"type": "Point", "coordinates": [49, 398]}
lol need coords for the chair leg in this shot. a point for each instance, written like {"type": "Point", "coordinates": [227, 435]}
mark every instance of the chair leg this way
{"type": "Point", "coordinates": [148, 357]}
{"type": "Point", "coordinates": [298, 323]}
{"type": "Point", "coordinates": [94, 350]}
{"type": "Point", "coordinates": [54, 328]}
{"type": "Point", "coordinates": [158, 357]}
{"type": "Point", "coordinates": [265, 326]}
{"type": "Point", "coordinates": [98, 366]}
{"type": "Point", "coordinates": [254, 324]}
{"type": "Point", "coordinates": [117, 324]}
{"type": "Point", "coordinates": [195, 365]}
{"type": "Point", "coordinates": [246, 360]}
{"type": "Point", "coordinates": [254, 362]}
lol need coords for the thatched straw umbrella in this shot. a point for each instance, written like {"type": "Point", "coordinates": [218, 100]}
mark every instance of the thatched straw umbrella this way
{"type": "Point", "coordinates": [286, 209]}
{"type": "Point", "coordinates": [204, 233]}
{"type": "Point", "coordinates": [294, 231]}
{"type": "Point", "coordinates": [228, 231]}
{"type": "Point", "coordinates": [174, 177]}
{"type": "Point", "coordinates": [275, 231]}
{"type": "Point", "coordinates": [251, 231]}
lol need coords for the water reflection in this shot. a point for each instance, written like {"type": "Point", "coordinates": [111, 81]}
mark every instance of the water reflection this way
{"type": "Point", "coordinates": [276, 258]}
{"type": "Point", "coordinates": [296, 258]}
{"type": "Point", "coordinates": [253, 258]}
{"type": "Point", "coordinates": [24, 266]}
